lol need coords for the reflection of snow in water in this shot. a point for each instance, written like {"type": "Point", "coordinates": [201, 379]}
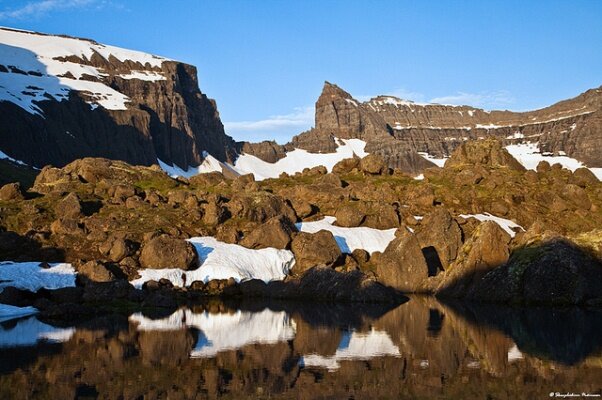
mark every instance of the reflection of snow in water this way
{"type": "Point", "coordinates": [354, 346]}
{"type": "Point", "coordinates": [221, 332]}
{"type": "Point", "coordinates": [514, 354]}
{"type": "Point", "coordinates": [8, 312]}
{"type": "Point", "coordinates": [28, 331]}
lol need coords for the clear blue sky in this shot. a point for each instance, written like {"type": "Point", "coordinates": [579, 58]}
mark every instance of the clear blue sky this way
{"type": "Point", "coordinates": [265, 61]}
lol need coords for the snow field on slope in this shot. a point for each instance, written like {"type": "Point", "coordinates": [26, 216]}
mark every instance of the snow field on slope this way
{"type": "Point", "coordinates": [349, 239]}
{"type": "Point", "coordinates": [37, 53]}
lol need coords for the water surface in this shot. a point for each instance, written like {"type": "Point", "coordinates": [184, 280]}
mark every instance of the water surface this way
{"type": "Point", "coordinates": [420, 349]}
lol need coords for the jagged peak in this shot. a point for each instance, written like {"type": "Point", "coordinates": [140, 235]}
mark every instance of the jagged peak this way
{"type": "Point", "coordinates": [331, 90]}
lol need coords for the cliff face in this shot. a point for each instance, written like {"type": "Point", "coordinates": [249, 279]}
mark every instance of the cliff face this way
{"type": "Point", "coordinates": [64, 98]}
{"type": "Point", "coordinates": [399, 130]}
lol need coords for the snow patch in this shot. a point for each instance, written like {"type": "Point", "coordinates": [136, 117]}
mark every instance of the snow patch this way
{"type": "Point", "coordinates": [298, 159]}
{"type": "Point", "coordinates": [30, 276]}
{"type": "Point", "coordinates": [505, 224]}
{"type": "Point", "coordinates": [529, 155]}
{"type": "Point", "coordinates": [350, 239]}
{"type": "Point", "coordinates": [440, 162]}
{"type": "Point", "coordinates": [219, 260]}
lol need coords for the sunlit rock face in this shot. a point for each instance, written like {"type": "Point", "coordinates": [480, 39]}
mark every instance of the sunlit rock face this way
{"type": "Point", "coordinates": [422, 348]}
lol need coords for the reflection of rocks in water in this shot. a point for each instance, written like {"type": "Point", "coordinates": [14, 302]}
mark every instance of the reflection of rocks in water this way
{"type": "Point", "coordinates": [566, 335]}
{"type": "Point", "coordinates": [421, 349]}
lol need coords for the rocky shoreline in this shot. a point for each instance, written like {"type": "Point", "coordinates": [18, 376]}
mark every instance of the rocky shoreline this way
{"type": "Point", "coordinates": [483, 228]}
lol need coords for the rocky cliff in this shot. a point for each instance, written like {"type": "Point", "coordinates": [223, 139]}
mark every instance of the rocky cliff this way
{"type": "Point", "coordinates": [399, 129]}
{"type": "Point", "coordinates": [63, 98]}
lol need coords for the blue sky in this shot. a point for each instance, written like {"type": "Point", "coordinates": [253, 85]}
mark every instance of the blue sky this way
{"type": "Point", "coordinates": [265, 61]}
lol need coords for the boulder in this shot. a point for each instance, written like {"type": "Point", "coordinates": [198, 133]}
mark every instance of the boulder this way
{"type": "Point", "coordinates": [302, 208]}
{"type": "Point", "coordinates": [489, 153]}
{"type": "Point", "coordinates": [259, 206]}
{"type": "Point", "coordinates": [69, 207]}
{"type": "Point", "coordinates": [584, 177]}
{"type": "Point", "coordinates": [311, 249]}
{"type": "Point", "coordinates": [402, 265]}
{"type": "Point", "coordinates": [485, 250]}
{"type": "Point", "coordinates": [11, 191]}
{"type": "Point", "coordinates": [441, 232]}
{"type": "Point", "coordinates": [168, 252]}
{"type": "Point", "coordinates": [94, 271]}
{"type": "Point", "coordinates": [576, 195]}
{"type": "Point", "coordinates": [275, 232]}
{"type": "Point", "coordinates": [373, 164]}
{"type": "Point", "coordinates": [551, 271]}
{"type": "Point", "coordinates": [346, 165]}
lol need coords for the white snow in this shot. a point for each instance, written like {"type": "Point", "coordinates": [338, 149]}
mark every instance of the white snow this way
{"type": "Point", "coordinates": [298, 159]}
{"type": "Point", "coordinates": [419, 177]}
{"type": "Point", "coordinates": [149, 76]}
{"type": "Point", "coordinates": [11, 312]}
{"type": "Point", "coordinates": [224, 331]}
{"type": "Point", "coordinates": [31, 52]}
{"type": "Point", "coordinates": [488, 126]}
{"type": "Point", "coordinates": [209, 164]}
{"type": "Point", "coordinates": [505, 224]}
{"type": "Point", "coordinates": [29, 331]}
{"type": "Point", "coordinates": [354, 346]}
{"type": "Point", "coordinates": [440, 162]}
{"type": "Point", "coordinates": [4, 156]}
{"type": "Point", "coordinates": [351, 101]}
{"type": "Point", "coordinates": [529, 155]}
{"type": "Point", "coordinates": [30, 276]}
{"type": "Point", "coordinates": [516, 135]}
{"type": "Point", "coordinates": [349, 239]}
{"type": "Point", "coordinates": [219, 260]}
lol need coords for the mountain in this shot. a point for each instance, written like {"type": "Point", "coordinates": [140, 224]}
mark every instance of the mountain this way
{"type": "Point", "coordinates": [63, 98]}
{"type": "Point", "coordinates": [411, 136]}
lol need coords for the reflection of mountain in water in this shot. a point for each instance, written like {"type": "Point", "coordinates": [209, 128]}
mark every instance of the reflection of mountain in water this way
{"type": "Point", "coordinates": [285, 350]}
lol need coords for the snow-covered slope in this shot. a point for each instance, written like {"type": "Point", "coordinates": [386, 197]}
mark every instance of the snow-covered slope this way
{"type": "Point", "coordinates": [293, 162]}
{"type": "Point", "coordinates": [30, 276]}
{"type": "Point", "coordinates": [529, 155]}
{"type": "Point", "coordinates": [36, 66]}
{"type": "Point", "coordinates": [350, 239]}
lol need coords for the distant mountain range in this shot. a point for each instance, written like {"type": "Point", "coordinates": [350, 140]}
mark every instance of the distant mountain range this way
{"type": "Point", "coordinates": [63, 98]}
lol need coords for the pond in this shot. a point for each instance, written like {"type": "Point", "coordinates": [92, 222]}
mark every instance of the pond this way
{"type": "Point", "coordinates": [420, 349]}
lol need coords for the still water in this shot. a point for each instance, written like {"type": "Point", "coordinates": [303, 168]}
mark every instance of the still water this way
{"type": "Point", "coordinates": [420, 349]}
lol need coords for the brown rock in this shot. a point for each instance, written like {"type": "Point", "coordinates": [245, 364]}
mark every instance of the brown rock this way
{"type": "Point", "coordinates": [489, 153]}
{"type": "Point", "coordinates": [275, 232]}
{"type": "Point", "coordinates": [95, 271]}
{"type": "Point", "coordinates": [11, 191]}
{"type": "Point", "coordinates": [442, 233]}
{"type": "Point", "coordinates": [311, 249]}
{"type": "Point", "coordinates": [485, 250]}
{"type": "Point", "coordinates": [584, 177]}
{"type": "Point", "coordinates": [373, 164]}
{"type": "Point", "coordinates": [69, 207]}
{"type": "Point", "coordinates": [402, 265]}
{"type": "Point", "coordinates": [346, 165]}
{"type": "Point", "coordinates": [168, 252]}
{"type": "Point", "coordinates": [576, 195]}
